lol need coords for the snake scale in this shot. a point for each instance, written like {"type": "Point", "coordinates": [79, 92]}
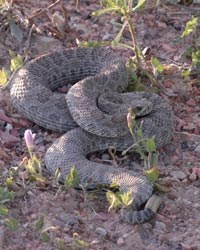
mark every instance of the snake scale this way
{"type": "Point", "coordinates": [93, 115]}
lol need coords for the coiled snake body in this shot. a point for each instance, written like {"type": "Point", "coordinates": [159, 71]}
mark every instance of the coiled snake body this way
{"type": "Point", "coordinates": [94, 114]}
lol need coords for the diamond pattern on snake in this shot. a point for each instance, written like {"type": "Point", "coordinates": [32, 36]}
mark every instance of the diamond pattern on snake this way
{"type": "Point", "coordinates": [92, 116]}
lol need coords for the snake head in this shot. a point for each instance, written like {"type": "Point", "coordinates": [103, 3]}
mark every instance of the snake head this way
{"type": "Point", "coordinates": [141, 107]}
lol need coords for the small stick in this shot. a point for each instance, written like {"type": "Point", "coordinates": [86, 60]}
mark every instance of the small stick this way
{"type": "Point", "coordinates": [44, 10]}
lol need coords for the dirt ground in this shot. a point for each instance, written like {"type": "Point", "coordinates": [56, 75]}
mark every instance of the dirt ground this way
{"type": "Point", "coordinates": [81, 220]}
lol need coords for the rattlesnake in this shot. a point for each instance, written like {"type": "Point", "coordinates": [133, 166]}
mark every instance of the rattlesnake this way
{"type": "Point", "coordinates": [100, 77]}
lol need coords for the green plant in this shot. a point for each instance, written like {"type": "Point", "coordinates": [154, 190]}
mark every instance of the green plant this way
{"type": "Point", "coordinates": [16, 63]}
{"type": "Point", "coordinates": [6, 197]}
{"type": "Point", "coordinates": [42, 228]}
{"type": "Point", "coordinates": [72, 180]}
{"type": "Point", "coordinates": [119, 199]}
{"type": "Point", "coordinates": [79, 243]}
{"type": "Point", "coordinates": [124, 9]}
{"type": "Point", "coordinates": [146, 148]}
{"type": "Point", "coordinates": [193, 51]}
{"type": "Point", "coordinates": [9, 17]}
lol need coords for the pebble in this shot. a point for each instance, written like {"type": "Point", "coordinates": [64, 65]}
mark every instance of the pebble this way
{"type": "Point", "coordinates": [160, 225]}
{"type": "Point", "coordinates": [120, 241]}
{"type": "Point", "coordinates": [107, 36]}
{"type": "Point", "coordinates": [197, 149]}
{"type": "Point", "coordinates": [172, 195]}
{"type": "Point", "coordinates": [101, 231]}
{"type": "Point", "coordinates": [147, 226]}
{"type": "Point", "coordinates": [162, 25]}
{"type": "Point", "coordinates": [178, 175]}
{"type": "Point", "coordinates": [39, 140]}
{"type": "Point", "coordinates": [192, 177]}
{"type": "Point", "coordinates": [8, 127]}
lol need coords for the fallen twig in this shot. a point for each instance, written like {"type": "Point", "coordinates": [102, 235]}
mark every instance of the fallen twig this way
{"type": "Point", "coordinates": [40, 12]}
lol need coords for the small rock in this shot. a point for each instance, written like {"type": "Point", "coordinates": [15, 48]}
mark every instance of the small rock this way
{"type": "Point", "coordinates": [160, 225]}
{"type": "Point", "coordinates": [196, 171]}
{"type": "Point", "coordinates": [178, 175]}
{"type": "Point", "coordinates": [39, 140]}
{"type": "Point", "coordinates": [197, 149]}
{"type": "Point", "coordinates": [185, 181]}
{"type": "Point", "coordinates": [134, 240]}
{"type": "Point", "coordinates": [101, 231]}
{"type": "Point", "coordinates": [147, 226]}
{"type": "Point", "coordinates": [192, 177]}
{"type": "Point", "coordinates": [95, 242]}
{"type": "Point", "coordinates": [107, 36]}
{"type": "Point", "coordinates": [162, 25]}
{"type": "Point", "coordinates": [172, 196]}
{"type": "Point", "coordinates": [120, 242]}
{"type": "Point", "coordinates": [8, 127]}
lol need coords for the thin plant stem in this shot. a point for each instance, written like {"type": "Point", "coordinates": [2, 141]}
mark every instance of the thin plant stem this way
{"type": "Point", "coordinates": [137, 51]}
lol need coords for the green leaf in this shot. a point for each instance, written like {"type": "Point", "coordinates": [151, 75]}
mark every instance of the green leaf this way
{"type": "Point", "coordinates": [154, 159]}
{"type": "Point", "coordinates": [152, 174]}
{"type": "Point", "coordinates": [72, 180]}
{"type": "Point", "coordinates": [161, 188]}
{"type": "Point", "coordinates": [92, 43]}
{"type": "Point", "coordinates": [39, 223]}
{"type": "Point", "coordinates": [3, 76]}
{"type": "Point", "coordinates": [126, 198]}
{"type": "Point", "coordinates": [80, 244]}
{"type": "Point", "coordinates": [186, 73]}
{"type": "Point", "coordinates": [5, 195]}
{"type": "Point", "coordinates": [36, 164]}
{"type": "Point", "coordinates": [38, 178]}
{"type": "Point", "coordinates": [196, 58]}
{"type": "Point", "coordinates": [114, 186]}
{"type": "Point", "coordinates": [157, 65]}
{"type": "Point", "coordinates": [60, 243]}
{"type": "Point", "coordinates": [140, 5]}
{"type": "Point", "coordinates": [109, 3]}
{"type": "Point", "coordinates": [45, 236]}
{"type": "Point", "coordinates": [3, 211]}
{"type": "Point", "coordinates": [188, 52]}
{"type": "Point", "coordinates": [150, 145]}
{"type": "Point", "coordinates": [57, 174]}
{"type": "Point", "coordinates": [119, 199]}
{"type": "Point", "coordinates": [9, 181]}
{"type": "Point", "coordinates": [30, 167]}
{"type": "Point", "coordinates": [15, 31]}
{"type": "Point", "coordinates": [190, 26]}
{"type": "Point", "coordinates": [138, 132]}
{"type": "Point", "coordinates": [113, 200]}
{"type": "Point", "coordinates": [16, 62]}
{"type": "Point", "coordinates": [11, 223]}
{"type": "Point", "coordinates": [106, 10]}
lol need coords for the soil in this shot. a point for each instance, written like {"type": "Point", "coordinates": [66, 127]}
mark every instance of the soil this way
{"type": "Point", "coordinates": [76, 219]}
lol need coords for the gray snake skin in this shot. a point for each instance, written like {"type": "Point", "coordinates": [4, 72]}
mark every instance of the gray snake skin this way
{"type": "Point", "coordinates": [94, 114]}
